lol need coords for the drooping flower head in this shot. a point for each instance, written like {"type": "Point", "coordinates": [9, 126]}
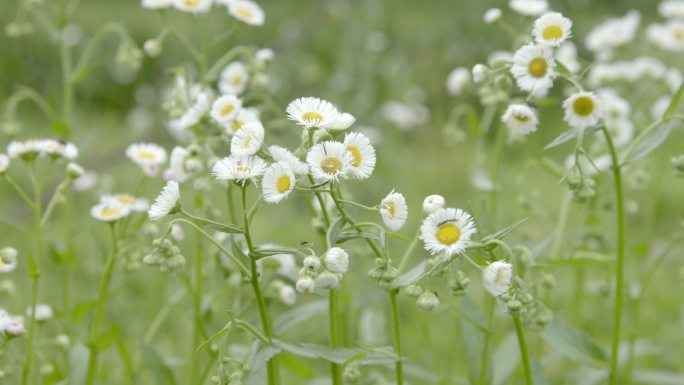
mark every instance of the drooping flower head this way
{"type": "Point", "coordinates": [166, 202]}
{"type": "Point", "coordinates": [497, 277]}
{"type": "Point", "coordinates": [394, 210]}
{"type": "Point", "coordinates": [521, 119]}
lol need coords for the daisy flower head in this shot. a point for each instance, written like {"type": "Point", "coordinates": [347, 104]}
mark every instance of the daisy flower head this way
{"type": "Point", "coordinates": [4, 163]}
{"type": "Point", "coordinates": [447, 230]}
{"type": "Point", "coordinates": [193, 6]}
{"type": "Point", "coordinates": [521, 119]}
{"type": "Point", "coordinates": [148, 156]}
{"type": "Point", "coordinates": [26, 150]}
{"type": "Point", "coordinates": [56, 148]}
{"type": "Point", "coordinates": [343, 121]}
{"type": "Point", "coordinates": [177, 170]}
{"type": "Point", "coordinates": [337, 260]}
{"type": "Point", "coordinates": [226, 108]}
{"type": "Point", "coordinates": [671, 8]}
{"type": "Point", "coordinates": [534, 69]}
{"type": "Point", "coordinates": [457, 80]}
{"type": "Point", "coordinates": [8, 259]}
{"type": "Point", "coordinates": [433, 203]}
{"type": "Point", "coordinates": [133, 203]}
{"type": "Point", "coordinates": [167, 202]}
{"type": "Point", "coordinates": [239, 168]}
{"type": "Point", "coordinates": [244, 116]}
{"type": "Point", "coordinates": [278, 182]}
{"type": "Point", "coordinates": [11, 325]}
{"type": "Point", "coordinates": [492, 15]}
{"type": "Point", "coordinates": [363, 155]}
{"type": "Point", "coordinates": [109, 211]}
{"type": "Point", "coordinates": [283, 154]}
{"type": "Point", "coordinates": [311, 112]}
{"type": "Point", "coordinates": [329, 161]}
{"type": "Point", "coordinates": [247, 11]}
{"type": "Point", "coordinates": [156, 4]}
{"type": "Point", "coordinates": [582, 109]}
{"type": "Point", "coordinates": [394, 210]}
{"type": "Point", "coordinates": [529, 7]}
{"type": "Point", "coordinates": [233, 78]}
{"type": "Point", "coordinates": [248, 139]}
{"type": "Point", "coordinates": [497, 277]}
{"type": "Point", "coordinates": [552, 29]}
{"type": "Point", "coordinates": [43, 312]}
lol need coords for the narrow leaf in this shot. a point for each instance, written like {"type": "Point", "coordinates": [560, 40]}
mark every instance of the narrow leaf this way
{"type": "Point", "coordinates": [569, 135]}
{"type": "Point", "coordinates": [651, 142]}
{"type": "Point", "coordinates": [674, 103]}
{"type": "Point", "coordinates": [573, 344]}
{"type": "Point", "coordinates": [501, 234]}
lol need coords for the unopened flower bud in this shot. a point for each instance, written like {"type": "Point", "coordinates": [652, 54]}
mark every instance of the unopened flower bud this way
{"type": "Point", "coordinates": [152, 48]}
{"type": "Point", "coordinates": [327, 280]}
{"type": "Point", "coordinates": [427, 301]}
{"type": "Point", "coordinates": [305, 284]}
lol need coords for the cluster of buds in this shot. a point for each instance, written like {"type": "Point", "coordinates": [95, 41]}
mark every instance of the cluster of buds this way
{"type": "Point", "coordinates": [129, 56]}
{"type": "Point", "coordinates": [230, 373]}
{"type": "Point", "coordinates": [384, 274]}
{"type": "Point", "coordinates": [351, 374]}
{"type": "Point", "coordinates": [494, 83]}
{"type": "Point", "coordinates": [518, 301]}
{"type": "Point", "coordinates": [323, 274]}
{"type": "Point", "coordinates": [458, 284]}
{"type": "Point", "coordinates": [165, 256]}
{"type": "Point", "coordinates": [583, 187]}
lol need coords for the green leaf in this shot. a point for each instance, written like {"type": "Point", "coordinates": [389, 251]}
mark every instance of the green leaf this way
{"type": "Point", "coordinates": [78, 364]}
{"type": "Point", "coordinates": [507, 357]}
{"type": "Point", "coordinates": [160, 371]}
{"type": "Point", "coordinates": [574, 344]}
{"type": "Point", "coordinates": [218, 334]}
{"type": "Point", "coordinates": [658, 377]}
{"type": "Point", "coordinates": [582, 258]}
{"type": "Point", "coordinates": [412, 275]}
{"type": "Point", "coordinates": [538, 373]}
{"type": "Point", "coordinates": [343, 237]}
{"type": "Point", "coordinates": [334, 231]}
{"type": "Point", "coordinates": [296, 316]}
{"type": "Point", "coordinates": [211, 225]}
{"type": "Point", "coordinates": [569, 135]}
{"type": "Point", "coordinates": [396, 236]}
{"type": "Point", "coordinates": [473, 338]}
{"type": "Point", "coordinates": [261, 354]}
{"type": "Point", "coordinates": [674, 103]}
{"type": "Point", "coordinates": [651, 142]}
{"type": "Point", "coordinates": [501, 234]}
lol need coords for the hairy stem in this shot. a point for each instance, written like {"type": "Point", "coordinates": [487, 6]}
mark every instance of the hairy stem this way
{"type": "Point", "coordinates": [523, 350]}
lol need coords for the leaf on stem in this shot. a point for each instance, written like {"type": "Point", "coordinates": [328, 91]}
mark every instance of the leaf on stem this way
{"type": "Point", "coordinates": [574, 344]}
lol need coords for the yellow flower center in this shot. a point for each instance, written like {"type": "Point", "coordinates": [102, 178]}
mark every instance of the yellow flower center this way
{"type": "Point", "coordinates": [243, 169]}
{"type": "Point", "coordinates": [500, 275]}
{"type": "Point", "coordinates": [248, 142]}
{"type": "Point", "coordinates": [448, 233]}
{"type": "Point", "coordinates": [147, 155]}
{"type": "Point", "coordinates": [552, 32]}
{"type": "Point", "coordinates": [312, 117]}
{"type": "Point", "coordinates": [191, 3]}
{"type": "Point", "coordinates": [110, 212]}
{"type": "Point", "coordinates": [356, 154]}
{"type": "Point", "coordinates": [244, 12]}
{"type": "Point", "coordinates": [283, 184]}
{"type": "Point", "coordinates": [522, 118]}
{"type": "Point", "coordinates": [227, 109]}
{"type": "Point", "coordinates": [538, 67]}
{"type": "Point", "coordinates": [583, 106]}
{"type": "Point", "coordinates": [331, 165]}
{"type": "Point", "coordinates": [236, 80]}
{"type": "Point", "coordinates": [126, 199]}
{"type": "Point", "coordinates": [236, 125]}
{"type": "Point", "coordinates": [391, 208]}
{"type": "Point", "coordinates": [679, 34]}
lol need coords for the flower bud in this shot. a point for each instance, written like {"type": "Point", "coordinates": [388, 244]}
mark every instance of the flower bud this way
{"type": "Point", "coordinates": [312, 263]}
{"type": "Point", "coordinates": [427, 301]}
{"type": "Point", "coordinates": [351, 374]}
{"type": "Point", "coordinates": [74, 171]}
{"type": "Point", "coordinates": [433, 203]}
{"type": "Point", "coordinates": [492, 15]}
{"type": "Point", "coordinates": [8, 255]}
{"type": "Point", "coordinates": [327, 280]}
{"type": "Point", "coordinates": [414, 291]}
{"type": "Point", "coordinates": [480, 73]}
{"type": "Point", "coordinates": [305, 284]}
{"type": "Point", "coordinates": [4, 163]}
{"type": "Point", "coordinates": [152, 48]}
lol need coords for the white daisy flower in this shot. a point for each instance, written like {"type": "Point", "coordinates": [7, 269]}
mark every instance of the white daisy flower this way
{"type": "Point", "coordinates": [248, 139]}
{"type": "Point", "coordinates": [167, 202]}
{"type": "Point", "coordinates": [672, 8]}
{"type": "Point", "coordinates": [311, 112]}
{"type": "Point", "coordinates": [239, 168]}
{"type": "Point", "coordinates": [4, 163]}
{"type": "Point", "coordinates": [329, 161]}
{"type": "Point", "coordinates": [337, 260]}
{"type": "Point", "coordinates": [363, 155]}
{"type": "Point", "coordinates": [156, 4]}
{"type": "Point", "coordinates": [193, 6]}
{"type": "Point", "coordinates": [177, 170]}
{"type": "Point", "coordinates": [196, 107]}
{"type": "Point", "coordinates": [567, 55]}
{"type": "Point", "coordinates": [85, 182]}
{"type": "Point", "coordinates": [497, 277]}
{"type": "Point", "coordinates": [343, 121]}
{"type": "Point", "coordinates": [492, 15]}
{"type": "Point", "coordinates": [11, 325]}
{"type": "Point", "coordinates": [582, 110]}
{"type": "Point", "coordinates": [278, 182]}
{"type": "Point", "coordinates": [109, 212]}
{"type": "Point", "coordinates": [264, 55]}
{"type": "Point", "coordinates": [226, 108]}
{"type": "Point", "coordinates": [4, 319]}
{"type": "Point", "coordinates": [133, 203]}
{"type": "Point", "coordinates": [148, 156]}
{"type": "Point", "coordinates": [233, 78]}
{"type": "Point", "coordinates": [283, 154]}
{"type": "Point", "coordinates": [552, 29]}
{"type": "Point", "coordinates": [433, 203]}
{"type": "Point", "coordinates": [447, 230]}
{"type": "Point", "coordinates": [244, 116]}
{"type": "Point", "coordinates": [668, 36]}
{"type": "Point", "coordinates": [529, 7]}
{"type": "Point", "coordinates": [8, 259]}
{"type": "Point", "coordinates": [521, 119]}
{"type": "Point", "coordinates": [57, 148]}
{"type": "Point", "coordinates": [394, 210]}
{"type": "Point", "coordinates": [43, 312]}
{"type": "Point", "coordinates": [27, 149]}
{"type": "Point", "coordinates": [534, 69]}
{"type": "Point", "coordinates": [457, 80]}
{"type": "Point", "coordinates": [247, 12]}
{"type": "Point", "coordinates": [613, 33]}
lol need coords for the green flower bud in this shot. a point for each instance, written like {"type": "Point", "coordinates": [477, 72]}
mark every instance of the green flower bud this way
{"type": "Point", "coordinates": [414, 291]}
{"type": "Point", "coordinates": [427, 301]}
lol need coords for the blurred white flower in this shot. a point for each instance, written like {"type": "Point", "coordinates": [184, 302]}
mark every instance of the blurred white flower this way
{"type": "Point", "coordinates": [233, 78]}
{"type": "Point", "coordinates": [497, 277]}
{"type": "Point", "coordinates": [248, 139]}
{"type": "Point", "coordinates": [613, 33]}
{"type": "Point", "coordinates": [282, 154]}
{"type": "Point", "coordinates": [226, 108]}
{"type": "Point", "coordinates": [247, 11]}
{"type": "Point", "coordinates": [394, 210]}
{"type": "Point", "coordinates": [85, 182]}
{"type": "Point", "coordinates": [567, 56]}
{"type": "Point", "coordinates": [244, 116]}
{"type": "Point", "coordinates": [668, 36]}
{"type": "Point", "coordinates": [4, 163]}
{"type": "Point", "coordinates": [128, 200]}
{"type": "Point", "coordinates": [109, 212]}
{"type": "Point", "coordinates": [43, 312]}
{"type": "Point", "coordinates": [148, 156]}
{"type": "Point", "coordinates": [529, 7]}
{"type": "Point", "coordinates": [193, 6]}
{"type": "Point", "coordinates": [457, 80]}
{"type": "Point", "coordinates": [492, 15]}
{"type": "Point", "coordinates": [672, 8]}
{"type": "Point", "coordinates": [8, 259]}
{"type": "Point", "coordinates": [157, 4]}
{"type": "Point", "coordinates": [166, 202]}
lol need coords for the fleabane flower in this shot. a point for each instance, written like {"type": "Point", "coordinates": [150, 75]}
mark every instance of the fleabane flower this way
{"type": "Point", "coordinates": [157, 4]}
{"type": "Point", "coordinates": [278, 182]}
{"type": "Point", "coordinates": [239, 168]}
{"type": "Point", "coordinates": [244, 116]}
{"type": "Point", "coordinates": [447, 231]}
{"type": "Point", "coordinates": [8, 259]}
{"type": "Point", "coordinates": [4, 163]}
{"type": "Point", "coordinates": [133, 203]}
{"type": "Point", "coordinates": [57, 148]}
{"type": "Point", "coordinates": [167, 202]}
{"type": "Point", "coordinates": [457, 80]}
{"type": "Point", "coordinates": [193, 6]}
{"type": "Point", "coordinates": [248, 139]}
{"type": "Point", "coordinates": [283, 154]}
{"type": "Point", "coordinates": [109, 211]}
{"type": "Point", "coordinates": [534, 69]}
{"type": "Point", "coordinates": [329, 161]}
{"type": "Point", "coordinates": [337, 260]}
{"type": "Point", "coordinates": [672, 8]}
{"type": "Point", "coordinates": [225, 108]}
{"type": "Point", "coordinates": [552, 29]}
{"type": "Point", "coordinates": [11, 325]}
{"type": "Point", "coordinates": [363, 155]}
{"type": "Point", "coordinates": [233, 78]}
{"type": "Point", "coordinates": [26, 150]}
{"type": "Point", "coordinates": [43, 312]}
{"type": "Point", "coordinates": [343, 121]}
{"type": "Point", "coordinates": [582, 109]}
{"type": "Point", "coordinates": [177, 170]}
{"type": "Point", "coordinates": [148, 156]}
{"type": "Point", "coordinates": [432, 203]}
{"type": "Point", "coordinates": [521, 119]}
{"type": "Point", "coordinates": [394, 210]}
{"type": "Point", "coordinates": [311, 112]}
{"type": "Point", "coordinates": [529, 7]}
{"type": "Point", "coordinates": [497, 277]}
{"type": "Point", "coordinates": [247, 12]}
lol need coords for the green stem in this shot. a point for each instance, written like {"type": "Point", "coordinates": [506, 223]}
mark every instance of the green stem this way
{"type": "Point", "coordinates": [20, 191]}
{"type": "Point", "coordinates": [272, 365]}
{"type": "Point", "coordinates": [485, 349]}
{"type": "Point", "coordinates": [561, 224]}
{"type": "Point", "coordinates": [100, 305]}
{"type": "Point", "coordinates": [620, 265]}
{"type": "Point", "coordinates": [399, 365]}
{"type": "Point", "coordinates": [67, 83]}
{"type": "Point", "coordinates": [523, 350]}
{"type": "Point", "coordinates": [334, 343]}
{"type": "Point", "coordinates": [197, 308]}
